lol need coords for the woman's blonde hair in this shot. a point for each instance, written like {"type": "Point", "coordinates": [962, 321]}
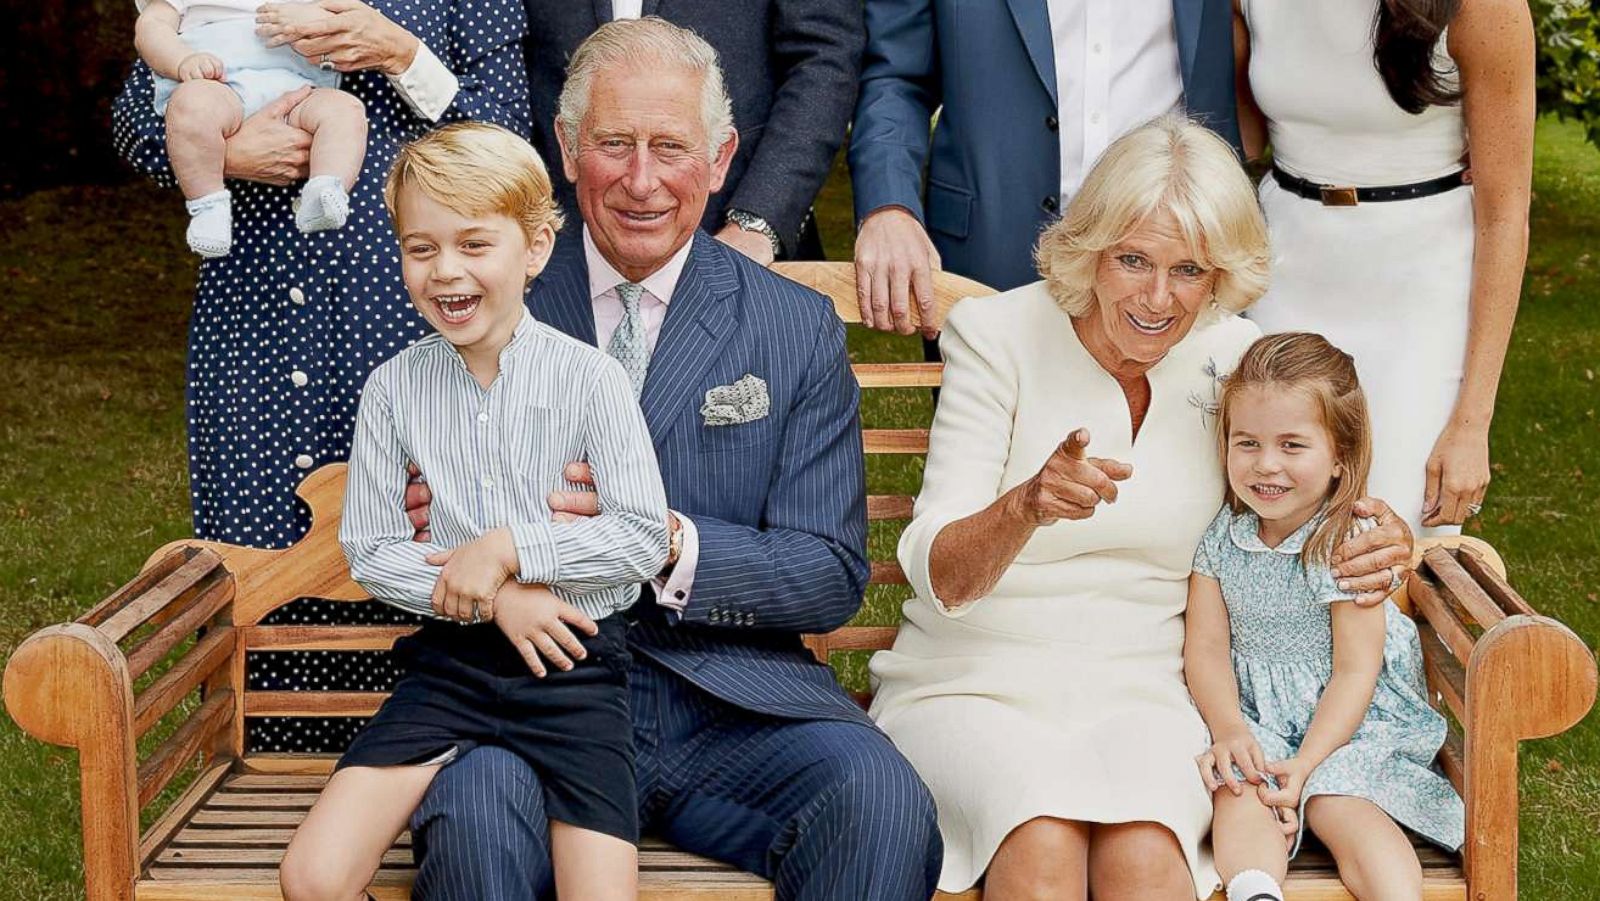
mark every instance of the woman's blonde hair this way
{"type": "Point", "coordinates": [475, 168]}
{"type": "Point", "coordinates": [1171, 165]}
{"type": "Point", "coordinates": [1299, 361]}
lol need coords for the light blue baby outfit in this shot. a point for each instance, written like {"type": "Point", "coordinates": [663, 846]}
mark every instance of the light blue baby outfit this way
{"type": "Point", "coordinates": [1282, 639]}
{"type": "Point", "coordinates": [257, 73]}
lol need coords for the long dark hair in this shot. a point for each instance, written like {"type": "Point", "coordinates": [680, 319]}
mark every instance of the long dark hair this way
{"type": "Point", "coordinates": [1407, 32]}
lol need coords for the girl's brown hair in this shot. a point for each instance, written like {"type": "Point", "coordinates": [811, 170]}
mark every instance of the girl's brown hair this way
{"type": "Point", "coordinates": [1307, 363]}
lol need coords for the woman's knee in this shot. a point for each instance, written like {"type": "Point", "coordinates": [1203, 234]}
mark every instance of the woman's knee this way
{"type": "Point", "coordinates": [1043, 858]}
{"type": "Point", "coordinates": [1137, 860]}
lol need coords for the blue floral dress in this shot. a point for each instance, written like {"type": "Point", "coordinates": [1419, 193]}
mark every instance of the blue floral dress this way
{"type": "Point", "coordinates": [1282, 638]}
{"type": "Point", "coordinates": [287, 326]}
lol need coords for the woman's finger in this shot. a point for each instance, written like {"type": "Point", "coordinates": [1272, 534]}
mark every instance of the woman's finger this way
{"type": "Point", "coordinates": [1433, 473]}
{"type": "Point", "coordinates": [530, 656]}
{"type": "Point", "coordinates": [1071, 492]}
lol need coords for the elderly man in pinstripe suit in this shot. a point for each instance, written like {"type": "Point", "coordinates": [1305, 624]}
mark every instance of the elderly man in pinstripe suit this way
{"type": "Point", "coordinates": [747, 750]}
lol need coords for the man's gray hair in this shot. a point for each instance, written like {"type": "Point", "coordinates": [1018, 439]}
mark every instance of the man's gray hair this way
{"type": "Point", "coordinates": [650, 44]}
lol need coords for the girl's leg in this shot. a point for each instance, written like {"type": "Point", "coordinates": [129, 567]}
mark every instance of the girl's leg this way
{"type": "Point", "coordinates": [1376, 860]}
{"type": "Point", "coordinates": [1138, 861]}
{"type": "Point", "coordinates": [201, 116]}
{"type": "Point", "coordinates": [1246, 835]}
{"type": "Point", "coordinates": [338, 847]}
{"type": "Point", "coordinates": [337, 123]}
{"type": "Point", "coordinates": [1044, 858]}
{"type": "Point", "coordinates": [593, 865]}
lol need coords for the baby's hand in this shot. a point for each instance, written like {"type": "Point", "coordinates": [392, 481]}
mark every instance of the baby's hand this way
{"type": "Point", "coordinates": [196, 66]}
{"type": "Point", "coordinates": [472, 574]}
{"type": "Point", "coordinates": [1291, 775]}
{"type": "Point", "coordinates": [1234, 749]}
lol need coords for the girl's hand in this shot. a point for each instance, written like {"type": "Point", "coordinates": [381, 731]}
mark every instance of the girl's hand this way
{"type": "Point", "coordinates": [539, 625]}
{"type": "Point", "coordinates": [197, 66]}
{"type": "Point", "coordinates": [349, 35]}
{"type": "Point", "coordinates": [472, 574]}
{"type": "Point", "coordinates": [1291, 775]}
{"type": "Point", "coordinates": [1458, 474]}
{"type": "Point", "coordinates": [1235, 749]}
{"type": "Point", "coordinates": [1070, 485]}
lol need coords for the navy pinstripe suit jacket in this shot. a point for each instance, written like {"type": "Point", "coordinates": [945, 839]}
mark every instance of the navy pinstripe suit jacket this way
{"type": "Point", "coordinates": [779, 503]}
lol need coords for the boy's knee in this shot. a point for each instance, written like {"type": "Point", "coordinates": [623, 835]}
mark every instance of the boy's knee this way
{"type": "Point", "coordinates": [307, 874]}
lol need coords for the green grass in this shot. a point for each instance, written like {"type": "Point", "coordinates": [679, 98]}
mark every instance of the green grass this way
{"type": "Point", "coordinates": [91, 438]}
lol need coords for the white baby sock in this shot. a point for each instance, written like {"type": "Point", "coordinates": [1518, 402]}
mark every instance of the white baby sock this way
{"type": "Point", "coordinates": [324, 204]}
{"type": "Point", "coordinates": [211, 224]}
{"type": "Point", "coordinates": [1254, 885]}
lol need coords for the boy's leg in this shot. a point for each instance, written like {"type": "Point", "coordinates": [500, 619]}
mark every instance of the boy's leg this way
{"type": "Point", "coordinates": [1376, 860]}
{"type": "Point", "coordinates": [201, 116]}
{"type": "Point", "coordinates": [337, 123]}
{"type": "Point", "coordinates": [593, 865]}
{"type": "Point", "coordinates": [340, 844]}
{"type": "Point", "coordinates": [481, 832]}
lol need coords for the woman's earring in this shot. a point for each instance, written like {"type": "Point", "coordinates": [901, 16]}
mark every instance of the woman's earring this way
{"type": "Point", "coordinates": [1213, 302]}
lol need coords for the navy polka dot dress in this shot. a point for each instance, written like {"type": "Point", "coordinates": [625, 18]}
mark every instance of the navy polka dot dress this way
{"type": "Point", "coordinates": [287, 326]}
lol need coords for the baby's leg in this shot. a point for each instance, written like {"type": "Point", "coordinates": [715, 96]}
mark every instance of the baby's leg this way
{"type": "Point", "coordinates": [593, 865]}
{"type": "Point", "coordinates": [338, 125]}
{"type": "Point", "coordinates": [338, 847]}
{"type": "Point", "coordinates": [1376, 860]}
{"type": "Point", "coordinates": [1246, 835]}
{"type": "Point", "coordinates": [201, 116]}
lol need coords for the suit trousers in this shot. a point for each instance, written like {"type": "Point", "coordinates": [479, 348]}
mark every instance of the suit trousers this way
{"type": "Point", "coordinates": [826, 809]}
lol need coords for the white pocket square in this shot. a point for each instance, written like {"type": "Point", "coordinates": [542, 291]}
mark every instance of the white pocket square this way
{"type": "Point", "coordinates": [743, 401]}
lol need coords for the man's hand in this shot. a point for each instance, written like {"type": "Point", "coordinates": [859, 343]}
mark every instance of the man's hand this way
{"type": "Point", "coordinates": [1070, 485]}
{"type": "Point", "coordinates": [752, 244]}
{"type": "Point", "coordinates": [472, 574]}
{"type": "Point", "coordinates": [266, 148]}
{"type": "Point", "coordinates": [894, 267]}
{"type": "Point", "coordinates": [1374, 562]}
{"type": "Point", "coordinates": [197, 66]}
{"type": "Point", "coordinates": [539, 625]}
{"type": "Point", "coordinates": [566, 506]}
{"type": "Point", "coordinates": [419, 500]}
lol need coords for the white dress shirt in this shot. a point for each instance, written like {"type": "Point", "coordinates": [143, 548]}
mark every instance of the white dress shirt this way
{"type": "Point", "coordinates": [1117, 68]}
{"type": "Point", "coordinates": [626, 9]}
{"type": "Point", "coordinates": [672, 592]}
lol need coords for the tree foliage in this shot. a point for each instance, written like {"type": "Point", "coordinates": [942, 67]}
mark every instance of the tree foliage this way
{"type": "Point", "coordinates": [1567, 33]}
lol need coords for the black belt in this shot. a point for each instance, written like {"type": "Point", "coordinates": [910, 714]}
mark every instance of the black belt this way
{"type": "Point", "coordinates": [1336, 195]}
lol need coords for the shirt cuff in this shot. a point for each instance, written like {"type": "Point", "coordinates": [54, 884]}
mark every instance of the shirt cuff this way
{"type": "Point", "coordinates": [673, 591]}
{"type": "Point", "coordinates": [427, 85]}
{"type": "Point", "coordinates": [537, 560]}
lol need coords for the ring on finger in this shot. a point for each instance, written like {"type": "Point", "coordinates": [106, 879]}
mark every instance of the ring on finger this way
{"type": "Point", "coordinates": [476, 618]}
{"type": "Point", "coordinates": [1474, 509]}
{"type": "Point", "coordinates": [325, 64]}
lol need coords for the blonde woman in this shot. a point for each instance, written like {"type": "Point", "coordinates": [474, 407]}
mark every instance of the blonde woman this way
{"type": "Point", "coordinates": [1037, 681]}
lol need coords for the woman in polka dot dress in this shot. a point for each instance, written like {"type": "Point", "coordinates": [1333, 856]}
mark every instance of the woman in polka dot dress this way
{"type": "Point", "coordinates": [286, 327]}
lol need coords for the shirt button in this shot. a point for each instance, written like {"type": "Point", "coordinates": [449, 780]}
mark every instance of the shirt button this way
{"type": "Point", "coordinates": [483, 416]}
{"type": "Point", "coordinates": [1094, 118]}
{"type": "Point", "coordinates": [299, 378]}
{"type": "Point", "coordinates": [1051, 123]}
{"type": "Point", "coordinates": [298, 296]}
{"type": "Point", "coordinates": [1097, 46]}
{"type": "Point", "coordinates": [488, 482]}
{"type": "Point", "coordinates": [1050, 203]}
{"type": "Point", "coordinates": [304, 461]}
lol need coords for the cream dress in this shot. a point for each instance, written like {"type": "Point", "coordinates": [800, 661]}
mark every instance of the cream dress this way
{"type": "Point", "coordinates": [1060, 693]}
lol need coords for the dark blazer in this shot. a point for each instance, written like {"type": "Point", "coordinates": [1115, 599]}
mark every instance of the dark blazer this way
{"type": "Point", "coordinates": [779, 503]}
{"type": "Point", "coordinates": [994, 167]}
{"type": "Point", "coordinates": [790, 67]}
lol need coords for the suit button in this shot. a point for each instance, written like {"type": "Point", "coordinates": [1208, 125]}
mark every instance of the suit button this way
{"type": "Point", "coordinates": [1050, 204]}
{"type": "Point", "coordinates": [1051, 123]}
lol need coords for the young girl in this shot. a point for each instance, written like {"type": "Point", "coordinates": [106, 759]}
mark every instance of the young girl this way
{"type": "Point", "coordinates": [213, 72]}
{"type": "Point", "coordinates": [1316, 705]}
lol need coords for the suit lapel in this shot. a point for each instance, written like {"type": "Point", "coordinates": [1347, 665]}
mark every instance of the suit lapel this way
{"type": "Point", "coordinates": [1033, 22]}
{"type": "Point", "coordinates": [1189, 16]}
{"type": "Point", "coordinates": [699, 320]}
{"type": "Point", "coordinates": [559, 297]}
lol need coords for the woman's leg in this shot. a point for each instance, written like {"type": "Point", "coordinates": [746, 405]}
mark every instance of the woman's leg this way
{"type": "Point", "coordinates": [1246, 835]}
{"type": "Point", "coordinates": [1137, 862]}
{"type": "Point", "coordinates": [1376, 860]}
{"type": "Point", "coordinates": [593, 865]}
{"type": "Point", "coordinates": [340, 844]}
{"type": "Point", "coordinates": [1044, 858]}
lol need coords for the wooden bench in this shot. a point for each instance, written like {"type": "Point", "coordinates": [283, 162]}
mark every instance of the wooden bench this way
{"type": "Point", "coordinates": [180, 630]}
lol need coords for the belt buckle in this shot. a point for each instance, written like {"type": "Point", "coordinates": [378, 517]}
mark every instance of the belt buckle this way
{"type": "Point", "coordinates": [1333, 195]}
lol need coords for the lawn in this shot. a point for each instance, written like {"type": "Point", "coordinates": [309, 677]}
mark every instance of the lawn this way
{"type": "Point", "coordinates": [94, 476]}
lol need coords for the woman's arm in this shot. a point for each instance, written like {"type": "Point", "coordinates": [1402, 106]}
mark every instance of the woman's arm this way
{"type": "Point", "coordinates": [1492, 43]}
{"type": "Point", "coordinates": [1252, 124]}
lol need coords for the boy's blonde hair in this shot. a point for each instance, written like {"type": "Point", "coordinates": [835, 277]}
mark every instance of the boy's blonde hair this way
{"type": "Point", "coordinates": [476, 168]}
{"type": "Point", "coordinates": [1300, 361]}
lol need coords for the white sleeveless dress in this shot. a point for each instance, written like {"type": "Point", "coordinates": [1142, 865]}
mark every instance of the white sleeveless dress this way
{"type": "Point", "coordinates": [1389, 283]}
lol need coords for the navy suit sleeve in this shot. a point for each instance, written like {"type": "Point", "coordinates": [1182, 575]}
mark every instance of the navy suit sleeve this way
{"type": "Point", "coordinates": [805, 569]}
{"type": "Point", "coordinates": [137, 131]}
{"type": "Point", "coordinates": [816, 47]}
{"type": "Point", "coordinates": [899, 92]}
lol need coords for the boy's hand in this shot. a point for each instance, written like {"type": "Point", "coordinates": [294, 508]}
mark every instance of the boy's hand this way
{"type": "Point", "coordinates": [472, 574]}
{"type": "Point", "coordinates": [539, 625]}
{"type": "Point", "coordinates": [1233, 749]}
{"type": "Point", "coordinates": [197, 66]}
{"type": "Point", "coordinates": [1291, 775]}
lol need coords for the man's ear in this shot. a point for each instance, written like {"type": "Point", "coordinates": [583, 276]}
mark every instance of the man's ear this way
{"type": "Point", "coordinates": [569, 156]}
{"type": "Point", "coordinates": [724, 159]}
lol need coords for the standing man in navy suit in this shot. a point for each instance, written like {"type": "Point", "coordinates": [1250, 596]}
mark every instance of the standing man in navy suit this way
{"type": "Point", "coordinates": [747, 749]}
{"type": "Point", "coordinates": [791, 68]}
{"type": "Point", "coordinates": [1029, 92]}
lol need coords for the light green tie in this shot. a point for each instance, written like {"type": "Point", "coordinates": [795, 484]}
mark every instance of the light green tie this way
{"type": "Point", "coordinates": [627, 342]}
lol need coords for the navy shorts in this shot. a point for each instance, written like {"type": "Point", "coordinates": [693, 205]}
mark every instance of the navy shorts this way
{"type": "Point", "coordinates": [466, 686]}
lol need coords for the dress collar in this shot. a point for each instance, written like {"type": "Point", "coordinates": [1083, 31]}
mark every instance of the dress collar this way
{"type": "Point", "coordinates": [1245, 530]}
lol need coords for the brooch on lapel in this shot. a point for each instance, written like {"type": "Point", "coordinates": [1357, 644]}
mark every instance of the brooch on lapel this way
{"type": "Point", "coordinates": [1208, 405]}
{"type": "Point", "coordinates": [743, 401]}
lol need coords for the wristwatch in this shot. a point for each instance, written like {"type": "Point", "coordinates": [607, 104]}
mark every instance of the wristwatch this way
{"type": "Point", "coordinates": [750, 222]}
{"type": "Point", "coordinates": [674, 545]}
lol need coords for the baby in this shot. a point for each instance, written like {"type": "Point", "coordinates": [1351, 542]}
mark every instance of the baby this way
{"type": "Point", "coordinates": [213, 71]}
